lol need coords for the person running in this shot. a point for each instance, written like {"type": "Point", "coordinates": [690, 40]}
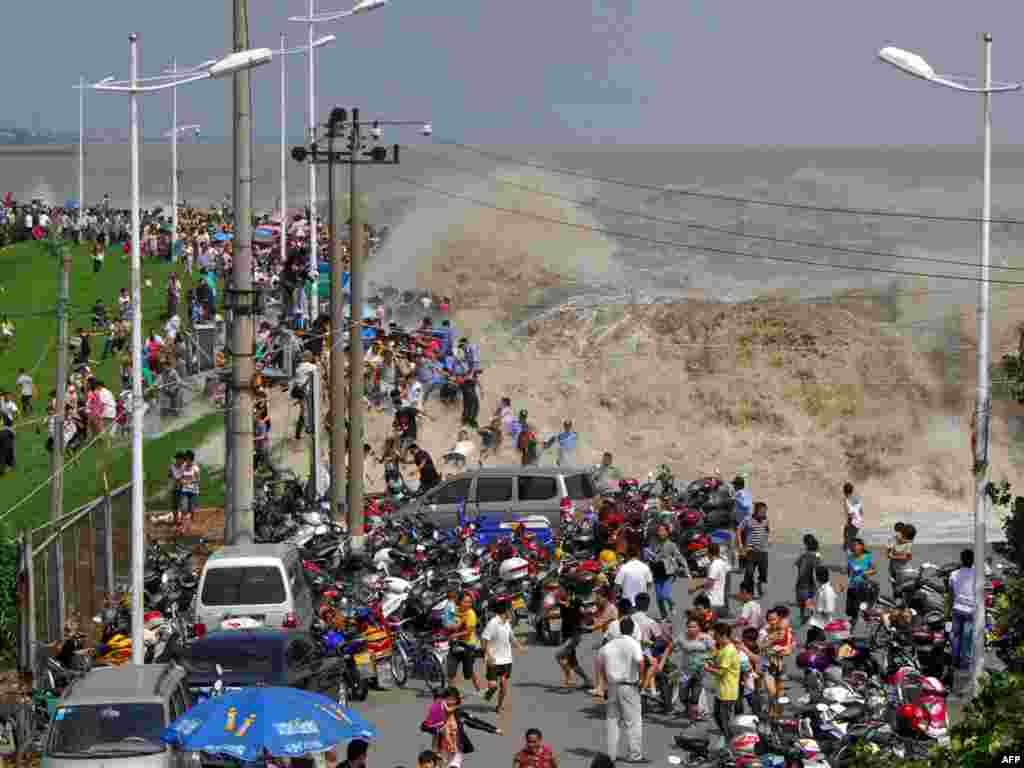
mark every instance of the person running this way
{"type": "Point", "coordinates": [499, 642]}
{"type": "Point", "coordinates": [536, 754]}
{"type": "Point", "coordinates": [666, 562]}
{"type": "Point", "coordinates": [805, 582]}
{"type": "Point", "coordinates": [467, 644]}
{"type": "Point", "coordinates": [572, 633]}
{"type": "Point", "coordinates": [622, 660]}
{"type": "Point", "coordinates": [447, 722]}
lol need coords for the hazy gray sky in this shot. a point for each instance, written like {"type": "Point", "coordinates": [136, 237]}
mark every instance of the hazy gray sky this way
{"type": "Point", "coordinates": [548, 71]}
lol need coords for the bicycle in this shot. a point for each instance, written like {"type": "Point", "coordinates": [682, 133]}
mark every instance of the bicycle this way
{"type": "Point", "coordinates": [421, 656]}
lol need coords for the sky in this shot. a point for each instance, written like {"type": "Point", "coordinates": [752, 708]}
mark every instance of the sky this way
{"type": "Point", "coordinates": [546, 72]}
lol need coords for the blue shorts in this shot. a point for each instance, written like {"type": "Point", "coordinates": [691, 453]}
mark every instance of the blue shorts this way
{"type": "Point", "coordinates": [663, 589]}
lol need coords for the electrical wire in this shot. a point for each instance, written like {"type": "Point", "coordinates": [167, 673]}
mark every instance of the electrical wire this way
{"type": "Point", "coordinates": [721, 197]}
{"type": "Point", "coordinates": [708, 227]}
{"type": "Point", "coordinates": [692, 247]}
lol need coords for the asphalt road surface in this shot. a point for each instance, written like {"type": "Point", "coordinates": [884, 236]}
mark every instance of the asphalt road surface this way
{"type": "Point", "coordinates": [572, 722]}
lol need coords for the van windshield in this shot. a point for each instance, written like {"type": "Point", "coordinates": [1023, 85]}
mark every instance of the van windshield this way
{"type": "Point", "coordinates": [244, 585]}
{"type": "Point", "coordinates": [106, 730]}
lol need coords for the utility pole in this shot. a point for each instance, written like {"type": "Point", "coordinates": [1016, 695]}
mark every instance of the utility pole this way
{"type": "Point", "coordinates": [55, 560]}
{"type": "Point", "coordinates": [359, 151]}
{"type": "Point", "coordinates": [983, 399]}
{"type": "Point", "coordinates": [356, 403]}
{"type": "Point", "coordinates": [174, 167]}
{"type": "Point", "coordinates": [240, 298]}
{"type": "Point", "coordinates": [81, 153]}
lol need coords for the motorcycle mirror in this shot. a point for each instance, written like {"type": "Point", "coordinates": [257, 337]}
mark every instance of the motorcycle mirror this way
{"type": "Point", "coordinates": [783, 700]}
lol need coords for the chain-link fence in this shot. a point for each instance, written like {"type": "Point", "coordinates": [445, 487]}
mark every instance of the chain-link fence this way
{"type": "Point", "coordinates": [71, 566]}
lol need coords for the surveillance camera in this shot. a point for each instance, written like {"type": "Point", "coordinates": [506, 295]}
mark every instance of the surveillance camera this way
{"type": "Point", "coordinates": [427, 129]}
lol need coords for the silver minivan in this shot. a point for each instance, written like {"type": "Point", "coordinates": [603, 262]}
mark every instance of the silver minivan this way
{"type": "Point", "coordinates": [257, 584]}
{"type": "Point", "coordinates": [114, 717]}
{"type": "Point", "coordinates": [507, 493]}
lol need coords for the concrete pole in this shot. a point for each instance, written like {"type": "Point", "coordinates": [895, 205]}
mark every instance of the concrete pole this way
{"type": "Point", "coordinates": [314, 237]}
{"type": "Point", "coordinates": [337, 374]}
{"type": "Point", "coordinates": [174, 164]}
{"type": "Point", "coordinates": [138, 406]}
{"type": "Point", "coordinates": [242, 327]}
{"type": "Point", "coordinates": [55, 561]}
{"type": "Point", "coordinates": [983, 398]}
{"type": "Point", "coordinates": [284, 171]}
{"type": "Point", "coordinates": [357, 406]}
{"type": "Point", "coordinates": [81, 149]}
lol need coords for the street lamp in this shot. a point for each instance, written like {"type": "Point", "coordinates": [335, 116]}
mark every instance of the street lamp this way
{"type": "Point", "coordinates": [319, 43]}
{"type": "Point", "coordinates": [178, 130]}
{"type": "Point", "coordinates": [311, 21]}
{"type": "Point", "coordinates": [174, 71]}
{"type": "Point", "coordinates": [915, 65]}
{"type": "Point", "coordinates": [133, 87]}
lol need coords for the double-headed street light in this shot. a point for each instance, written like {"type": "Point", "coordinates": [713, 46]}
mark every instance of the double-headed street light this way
{"type": "Point", "coordinates": [173, 134]}
{"type": "Point", "coordinates": [915, 65]}
{"type": "Point", "coordinates": [311, 21]}
{"type": "Point", "coordinates": [134, 86]}
{"type": "Point", "coordinates": [173, 71]}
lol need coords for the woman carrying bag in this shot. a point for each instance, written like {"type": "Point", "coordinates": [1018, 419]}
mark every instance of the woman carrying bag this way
{"type": "Point", "coordinates": [447, 723]}
{"type": "Point", "coordinates": [666, 562]}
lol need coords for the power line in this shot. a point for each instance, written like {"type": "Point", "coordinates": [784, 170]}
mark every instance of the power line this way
{"type": "Point", "coordinates": [721, 197]}
{"type": "Point", "coordinates": [699, 248]}
{"type": "Point", "coordinates": [710, 228]}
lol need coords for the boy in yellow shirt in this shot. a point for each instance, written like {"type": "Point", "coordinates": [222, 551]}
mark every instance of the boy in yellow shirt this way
{"type": "Point", "coordinates": [726, 669]}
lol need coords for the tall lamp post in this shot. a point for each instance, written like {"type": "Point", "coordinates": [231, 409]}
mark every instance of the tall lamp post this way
{"type": "Point", "coordinates": [178, 130]}
{"type": "Point", "coordinates": [311, 21]}
{"type": "Point", "coordinates": [315, 44]}
{"type": "Point", "coordinates": [360, 148]}
{"type": "Point", "coordinates": [173, 134]}
{"type": "Point", "coordinates": [915, 65]}
{"type": "Point", "coordinates": [134, 87]}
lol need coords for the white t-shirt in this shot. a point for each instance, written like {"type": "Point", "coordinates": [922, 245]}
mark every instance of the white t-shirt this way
{"type": "Point", "coordinates": [961, 583]}
{"type": "Point", "coordinates": [622, 658]}
{"type": "Point", "coordinates": [109, 403]}
{"type": "Point", "coordinates": [499, 635]}
{"type": "Point", "coordinates": [25, 382]}
{"type": "Point", "coordinates": [302, 371]}
{"type": "Point", "coordinates": [633, 578]}
{"type": "Point", "coordinates": [824, 606]}
{"type": "Point", "coordinates": [855, 511]}
{"type": "Point", "coordinates": [615, 630]}
{"type": "Point", "coordinates": [751, 615]}
{"type": "Point", "coordinates": [717, 572]}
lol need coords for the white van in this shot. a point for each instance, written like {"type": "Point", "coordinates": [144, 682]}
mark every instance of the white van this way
{"type": "Point", "coordinates": [263, 583]}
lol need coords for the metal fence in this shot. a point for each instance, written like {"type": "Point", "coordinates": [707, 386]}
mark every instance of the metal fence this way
{"type": "Point", "coordinates": [71, 566]}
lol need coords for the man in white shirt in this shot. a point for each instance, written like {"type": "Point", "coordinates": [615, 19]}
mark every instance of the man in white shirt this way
{"type": "Point", "coordinates": [634, 577]}
{"type": "Point", "coordinates": [27, 387]}
{"type": "Point", "coordinates": [714, 584]}
{"type": "Point", "coordinates": [109, 404]}
{"type": "Point", "coordinates": [498, 644]}
{"type": "Point", "coordinates": [751, 613]}
{"type": "Point", "coordinates": [299, 384]}
{"type": "Point", "coordinates": [824, 606]}
{"type": "Point", "coordinates": [622, 661]}
{"type": "Point", "coordinates": [625, 609]}
{"type": "Point", "coordinates": [961, 585]}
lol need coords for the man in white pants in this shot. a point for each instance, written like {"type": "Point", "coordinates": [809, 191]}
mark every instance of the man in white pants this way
{"type": "Point", "coordinates": [622, 659]}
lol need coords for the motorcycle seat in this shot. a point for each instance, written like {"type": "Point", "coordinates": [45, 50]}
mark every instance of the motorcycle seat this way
{"type": "Point", "coordinates": [852, 712]}
{"type": "Point", "coordinates": [696, 745]}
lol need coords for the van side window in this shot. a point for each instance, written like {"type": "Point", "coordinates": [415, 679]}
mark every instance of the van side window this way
{"type": "Point", "coordinates": [452, 492]}
{"type": "Point", "coordinates": [579, 487]}
{"type": "Point", "coordinates": [493, 489]}
{"type": "Point", "coordinates": [537, 488]}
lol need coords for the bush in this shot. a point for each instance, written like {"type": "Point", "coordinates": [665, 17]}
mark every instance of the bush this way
{"type": "Point", "coordinates": [8, 604]}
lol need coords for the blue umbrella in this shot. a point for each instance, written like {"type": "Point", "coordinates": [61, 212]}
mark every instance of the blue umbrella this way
{"type": "Point", "coordinates": [71, 205]}
{"type": "Point", "coordinates": [220, 237]}
{"type": "Point", "coordinates": [284, 722]}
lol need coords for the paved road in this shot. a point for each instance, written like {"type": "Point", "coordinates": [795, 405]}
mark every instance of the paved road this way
{"type": "Point", "coordinates": [572, 722]}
